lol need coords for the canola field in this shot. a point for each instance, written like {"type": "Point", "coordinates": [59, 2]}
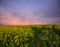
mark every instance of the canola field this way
{"type": "Point", "coordinates": [30, 36]}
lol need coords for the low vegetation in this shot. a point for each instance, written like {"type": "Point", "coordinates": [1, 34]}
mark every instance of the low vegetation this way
{"type": "Point", "coordinates": [30, 36]}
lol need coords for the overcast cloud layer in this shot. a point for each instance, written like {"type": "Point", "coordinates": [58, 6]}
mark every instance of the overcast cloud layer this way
{"type": "Point", "coordinates": [16, 12]}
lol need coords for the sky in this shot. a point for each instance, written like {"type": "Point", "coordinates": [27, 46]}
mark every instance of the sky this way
{"type": "Point", "coordinates": [20, 12]}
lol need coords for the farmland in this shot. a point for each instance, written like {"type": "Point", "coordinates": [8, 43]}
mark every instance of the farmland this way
{"type": "Point", "coordinates": [30, 36]}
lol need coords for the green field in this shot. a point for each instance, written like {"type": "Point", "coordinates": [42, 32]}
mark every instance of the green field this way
{"type": "Point", "coordinates": [30, 36]}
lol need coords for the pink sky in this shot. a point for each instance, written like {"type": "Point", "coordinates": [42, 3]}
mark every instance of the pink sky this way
{"type": "Point", "coordinates": [20, 12]}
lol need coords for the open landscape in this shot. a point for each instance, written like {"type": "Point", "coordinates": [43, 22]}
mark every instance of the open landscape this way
{"type": "Point", "coordinates": [29, 23]}
{"type": "Point", "coordinates": [30, 36]}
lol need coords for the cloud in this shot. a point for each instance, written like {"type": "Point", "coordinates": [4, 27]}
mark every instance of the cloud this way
{"type": "Point", "coordinates": [14, 13]}
{"type": "Point", "coordinates": [20, 18]}
{"type": "Point", "coordinates": [8, 17]}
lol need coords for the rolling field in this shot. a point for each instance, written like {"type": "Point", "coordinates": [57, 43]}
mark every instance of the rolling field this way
{"type": "Point", "coordinates": [30, 36]}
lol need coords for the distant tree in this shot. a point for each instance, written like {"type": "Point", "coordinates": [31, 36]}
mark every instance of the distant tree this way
{"type": "Point", "coordinates": [1, 24]}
